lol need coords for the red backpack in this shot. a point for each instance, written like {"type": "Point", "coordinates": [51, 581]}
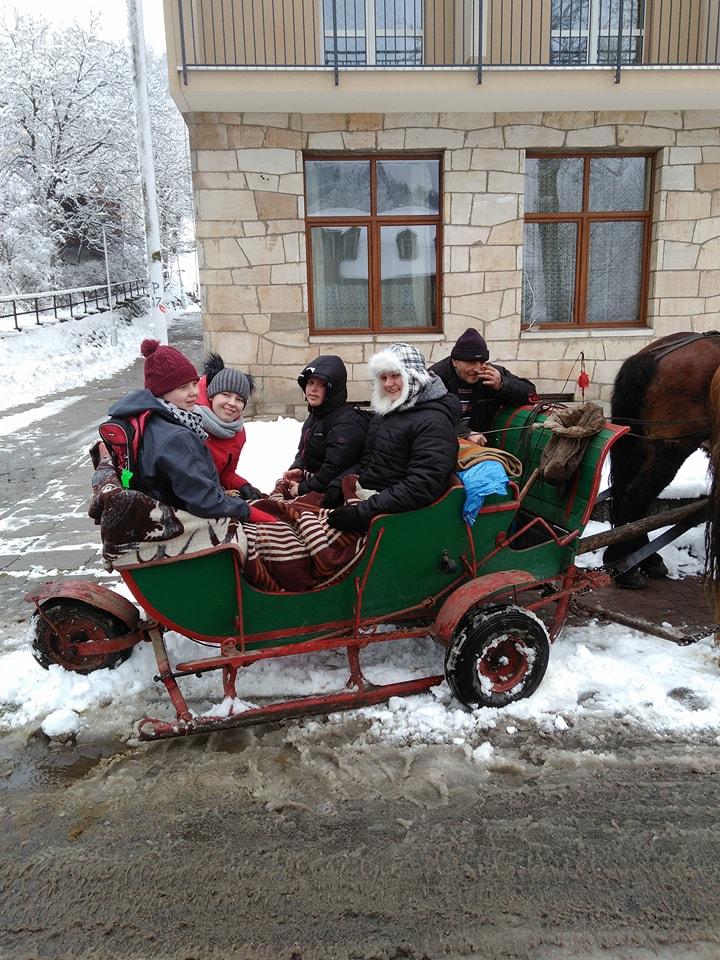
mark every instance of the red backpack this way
{"type": "Point", "coordinates": [122, 436]}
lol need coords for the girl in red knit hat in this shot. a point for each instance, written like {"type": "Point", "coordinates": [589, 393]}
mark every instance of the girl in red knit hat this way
{"type": "Point", "coordinates": [174, 465]}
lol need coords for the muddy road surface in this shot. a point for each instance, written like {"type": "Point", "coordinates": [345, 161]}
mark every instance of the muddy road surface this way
{"type": "Point", "coordinates": [319, 839]}
{"type": "Point", "coordinates": [313, 841]}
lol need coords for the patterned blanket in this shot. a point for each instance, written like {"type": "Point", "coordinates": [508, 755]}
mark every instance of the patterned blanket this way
{"type": "Point", "coordinates": [297, 553]}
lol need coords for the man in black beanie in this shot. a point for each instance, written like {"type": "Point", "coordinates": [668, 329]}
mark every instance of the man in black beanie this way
{"type": "Point", "coordinates": [482, 387]}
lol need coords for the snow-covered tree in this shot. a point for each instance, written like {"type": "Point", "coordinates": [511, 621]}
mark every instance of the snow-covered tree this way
{"type": "Point", "coordinates": [68, 158]}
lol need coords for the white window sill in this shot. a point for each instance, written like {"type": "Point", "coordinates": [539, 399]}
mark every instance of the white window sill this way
{"type": "Point", "coordinates": [584, 334]}
{"type": "Point", "coordinates": [398, 337]}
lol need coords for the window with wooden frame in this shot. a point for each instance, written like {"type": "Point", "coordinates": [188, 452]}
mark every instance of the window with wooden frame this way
{"type": "Point", "coordinates": [373, 239]}
{"type": "Point", "coordinates": [586, 240]}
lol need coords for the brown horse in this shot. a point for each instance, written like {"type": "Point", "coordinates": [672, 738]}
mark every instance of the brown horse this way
{"type": "Point", "coordinates": [662, 393]}
{"type": "Point", "coordinates": [712, 529]}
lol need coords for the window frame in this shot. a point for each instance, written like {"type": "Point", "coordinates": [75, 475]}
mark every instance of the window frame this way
{"type": "Point", "coordinates": [583, 219]}
{"type": "Point", "coordinates": [373, 223]}
{"type": "Point", "coordinates": [371, 34]}
{"type": "Point", "coordinates": [595, 32]}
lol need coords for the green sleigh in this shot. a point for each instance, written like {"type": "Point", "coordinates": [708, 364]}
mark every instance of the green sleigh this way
{"type": "Point", "coordinates": [494, 595]}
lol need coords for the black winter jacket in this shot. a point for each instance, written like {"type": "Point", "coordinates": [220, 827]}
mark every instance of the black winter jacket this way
{"type": "Point", "coordinates": [175, 466]}
{"type": "Point", "coordinates": [485, 403]}
{"type": "Point", "coordinates": [333, 435]}
{"type": "Point", "coordinates": [408, 457]}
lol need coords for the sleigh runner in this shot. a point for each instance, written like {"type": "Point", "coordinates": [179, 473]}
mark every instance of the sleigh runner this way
{"type": "Point", "coordinates": [494, 595]}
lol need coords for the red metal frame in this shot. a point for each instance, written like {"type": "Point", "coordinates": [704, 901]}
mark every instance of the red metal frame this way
{"type": "Point", "coordinates": [357, 633]}
{"type": "Point", "coordinates": [95, 595]}
{"type": "Point", "coordinates": [358, 691]}
{"type": "Point", "coordinates": [352, 633]}
{"type": "Point", "coordinates": [152, 729]}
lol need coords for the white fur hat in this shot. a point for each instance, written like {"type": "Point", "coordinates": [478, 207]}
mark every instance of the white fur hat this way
{"type": "Point", "coordinates": [409, 362]}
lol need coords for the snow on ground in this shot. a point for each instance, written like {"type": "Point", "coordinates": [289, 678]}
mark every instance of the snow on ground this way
{"type": "Point", "coordinates": [597, 673]}
{"type": "Point", "coordinates": [691, 480]}
{"type": "Point", "coordinates": [18, 421]}
{"type": "Point", "coordinates": [684, 557]}
{"type": "Point", "coordinates": [43, 360]}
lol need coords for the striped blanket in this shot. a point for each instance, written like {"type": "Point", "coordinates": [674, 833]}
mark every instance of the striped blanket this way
{"type": "Point", "coordinates": [298, 553]}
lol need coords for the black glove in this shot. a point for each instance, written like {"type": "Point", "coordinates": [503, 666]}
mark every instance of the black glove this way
{"type": "Point", "coordinates": [333, 497]}
{"type": "Point", "coordinates": [248, 492]}
{"type": "Point", "coordinates": [347, 519]}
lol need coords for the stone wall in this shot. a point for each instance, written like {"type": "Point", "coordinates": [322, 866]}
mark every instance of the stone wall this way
{"type": "Point", "coordinates": [249, 201]}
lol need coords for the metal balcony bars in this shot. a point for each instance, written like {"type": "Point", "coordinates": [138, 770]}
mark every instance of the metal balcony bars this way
{"type": "Point", "coordinates": [338, 35]}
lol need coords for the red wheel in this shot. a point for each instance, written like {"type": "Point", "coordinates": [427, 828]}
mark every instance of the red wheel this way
{"type": "Point", "coordinates": [62, 626]}
{"type": "Point", "coordinates": [496, 655]}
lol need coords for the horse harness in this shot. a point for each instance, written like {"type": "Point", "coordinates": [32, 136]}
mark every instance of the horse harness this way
{"type": "Point", "coordinates": [659, 352]}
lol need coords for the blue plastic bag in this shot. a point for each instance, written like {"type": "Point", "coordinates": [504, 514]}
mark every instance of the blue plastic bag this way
{"type": "Point", "coordinates": [480, 481]}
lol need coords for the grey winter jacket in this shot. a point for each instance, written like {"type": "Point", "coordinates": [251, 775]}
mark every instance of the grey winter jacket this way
{"type": "Point", "coordinates": [175, 466]}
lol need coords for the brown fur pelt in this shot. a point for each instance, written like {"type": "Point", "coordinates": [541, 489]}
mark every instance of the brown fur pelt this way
{"type": "Point", "coordinates": [298, 552]}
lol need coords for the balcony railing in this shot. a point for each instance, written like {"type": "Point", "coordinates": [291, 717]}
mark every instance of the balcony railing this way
{"type": "Point", "coordinates": [341, 35]}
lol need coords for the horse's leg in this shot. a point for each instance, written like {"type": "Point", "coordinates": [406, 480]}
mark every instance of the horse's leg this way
{"type": "Point", "coordinates": [662, 461]}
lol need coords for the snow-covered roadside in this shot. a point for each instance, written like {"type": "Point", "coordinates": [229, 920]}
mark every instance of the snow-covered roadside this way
{"type": "Point", "coordinates": [596, 673]}
{"type": "Point", "coordinates": [45, 360]}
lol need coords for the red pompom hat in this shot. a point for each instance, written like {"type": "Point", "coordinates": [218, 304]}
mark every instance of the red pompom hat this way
{"type": "Point", "coordinates": [165, 368]}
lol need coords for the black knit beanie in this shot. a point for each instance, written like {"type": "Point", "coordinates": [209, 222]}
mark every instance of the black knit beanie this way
{"type": "Point", "coordinates": [470, 346]}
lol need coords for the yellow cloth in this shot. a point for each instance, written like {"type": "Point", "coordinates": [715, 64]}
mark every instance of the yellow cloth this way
{"type": "Point", "coordinates": [471, 453]}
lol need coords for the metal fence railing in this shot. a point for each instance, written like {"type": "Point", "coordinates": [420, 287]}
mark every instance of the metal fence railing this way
{"type": "Point", "coordinates": [69, 304]}
{"type": "Point", "coordinates": [443, 34]}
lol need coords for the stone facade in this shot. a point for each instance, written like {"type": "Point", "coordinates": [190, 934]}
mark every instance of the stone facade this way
{"type": "Point", "coordinates": [248, 186]}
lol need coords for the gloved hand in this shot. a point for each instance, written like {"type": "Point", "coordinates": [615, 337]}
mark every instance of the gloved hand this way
{"type": "Point", "coordinates": [248, 492]}
{"type": "Point", "coordinates": [259, 516]}
{"type": "Point", "coordinates": [347, 519]}
{"type": "Point", "coordinates": [333, 497]}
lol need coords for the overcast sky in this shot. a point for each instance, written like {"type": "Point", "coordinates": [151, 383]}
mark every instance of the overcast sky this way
{"type": "Point", "coordinates": [111, 15]}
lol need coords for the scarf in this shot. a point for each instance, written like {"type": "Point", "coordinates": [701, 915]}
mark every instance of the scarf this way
{"type": "Point", "coordinates": [216, 427]}
{"type": "Point", "coordinates": [186, 418]}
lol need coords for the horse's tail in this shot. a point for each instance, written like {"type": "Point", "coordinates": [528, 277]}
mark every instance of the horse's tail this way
{"type": "Point", "coordinates": [626, 407]}
{"type": "Point", "coordinates": [712, 529]}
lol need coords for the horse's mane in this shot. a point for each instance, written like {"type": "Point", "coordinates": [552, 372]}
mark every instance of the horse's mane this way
{"type": "Point", "coordinates": [627, 403]}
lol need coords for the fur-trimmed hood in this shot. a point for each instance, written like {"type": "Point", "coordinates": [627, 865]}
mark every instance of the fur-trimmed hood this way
{"type": "Point", "coordinates": [419, 384]}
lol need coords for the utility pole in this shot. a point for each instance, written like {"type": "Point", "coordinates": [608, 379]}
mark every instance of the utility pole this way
{"type": "Point", "coordinates": [147, 168]}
